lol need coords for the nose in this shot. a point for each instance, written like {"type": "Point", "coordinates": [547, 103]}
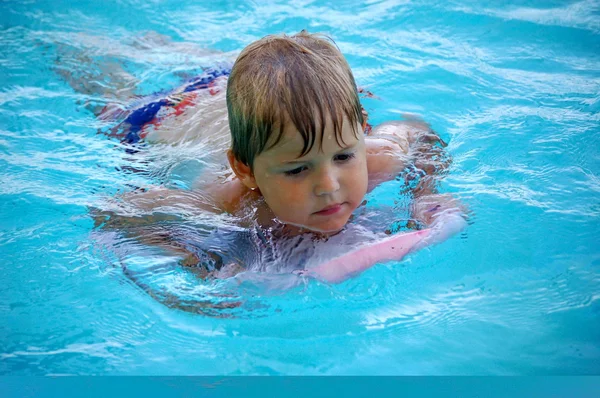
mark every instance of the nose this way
{"type": "Point", "coordinates": [326, 182]}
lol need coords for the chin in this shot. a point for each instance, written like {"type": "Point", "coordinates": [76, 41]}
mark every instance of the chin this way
{"type": "Point", "coordinates": [329, 228]}
{"type": "Point", "coordinates": [325, 229]}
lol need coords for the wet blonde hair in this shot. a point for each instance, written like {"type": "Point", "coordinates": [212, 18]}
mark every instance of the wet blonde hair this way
{"type": "Point", "coordinates": [303, 79]}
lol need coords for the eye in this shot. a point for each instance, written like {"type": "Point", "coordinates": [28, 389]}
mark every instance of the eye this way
{"type": "Point", "coordinates": [344, 157]}
{"type": "Point", "coordinates": [295, 172]}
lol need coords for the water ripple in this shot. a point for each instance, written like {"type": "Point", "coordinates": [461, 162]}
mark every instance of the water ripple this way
{"type": "Point", "coordinates": [513, 88]}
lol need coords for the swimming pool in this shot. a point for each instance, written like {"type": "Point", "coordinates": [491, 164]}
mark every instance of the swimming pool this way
{"type": "Point", "coordinates": [514, 88]}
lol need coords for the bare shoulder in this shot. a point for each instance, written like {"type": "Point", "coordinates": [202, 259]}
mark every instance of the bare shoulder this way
{"type": "Point", "coordinates": [226, 191]}
{"type": "Point", "coordinates": [161, 199]}
{"type": "Point", "coordinates": [215, 196]}
{"type": "Point", "coordinates": [388, 149]}
{"type": "Point", "coordinates": [392, 145]}
{"type": "Point", "coordinates": [408, 130]}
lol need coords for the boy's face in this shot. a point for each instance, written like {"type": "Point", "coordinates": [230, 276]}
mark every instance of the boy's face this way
{"type": "Point", "coordinates": [320, 190]}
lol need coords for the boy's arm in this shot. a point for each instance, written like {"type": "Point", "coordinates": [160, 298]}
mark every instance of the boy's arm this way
{"type": "Point", "coordinates": [143, 214]}
{"type": "Point", "coordinates": [392, 146]}
{"type": "Point", "coordinates": [385, 159]}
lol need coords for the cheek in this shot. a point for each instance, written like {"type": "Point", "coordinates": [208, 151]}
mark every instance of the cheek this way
{"type": "Point", "coordinates": [283, 194]}
{"type": "Point", "coordinates": [359, 175]}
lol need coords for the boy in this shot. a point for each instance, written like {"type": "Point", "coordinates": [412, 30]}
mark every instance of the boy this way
{"type": "Point", "coordinates": [298, 156]}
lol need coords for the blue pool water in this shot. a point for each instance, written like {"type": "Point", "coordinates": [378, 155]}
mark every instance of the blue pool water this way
{"type": "Point", "coordinates": [513, 86]}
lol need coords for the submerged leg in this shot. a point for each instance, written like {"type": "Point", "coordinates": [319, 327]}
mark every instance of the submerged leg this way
{"type": "Point", "coordinates": [105, 81]}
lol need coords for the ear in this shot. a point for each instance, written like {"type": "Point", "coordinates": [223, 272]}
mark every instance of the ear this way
{"type": "Point", "coordinates": [242, 171]}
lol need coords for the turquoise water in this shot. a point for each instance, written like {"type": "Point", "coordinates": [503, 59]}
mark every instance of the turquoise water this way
{"type": "Point", "coordinates": [513, 86]}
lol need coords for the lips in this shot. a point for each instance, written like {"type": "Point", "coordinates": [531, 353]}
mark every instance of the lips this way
{"type": "Point", "coordinates": [329, 210]}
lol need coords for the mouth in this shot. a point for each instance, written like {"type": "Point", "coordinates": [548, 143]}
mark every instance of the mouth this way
{"type": "Point", "coordinates": [329, 210]}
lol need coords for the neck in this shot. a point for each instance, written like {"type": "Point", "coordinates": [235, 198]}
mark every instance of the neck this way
{"type": "Point", "coordinates": [265, 218]}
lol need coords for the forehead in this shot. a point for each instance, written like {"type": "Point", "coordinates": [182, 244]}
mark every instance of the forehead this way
{"type": "Point", "coordinates": [292, 141]}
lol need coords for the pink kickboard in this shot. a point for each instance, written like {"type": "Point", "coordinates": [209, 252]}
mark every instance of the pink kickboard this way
{"type": "Point", "coordinates": [393, 248]}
